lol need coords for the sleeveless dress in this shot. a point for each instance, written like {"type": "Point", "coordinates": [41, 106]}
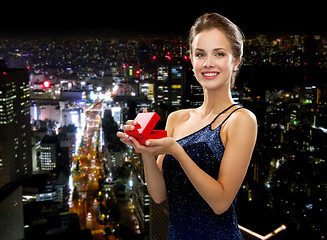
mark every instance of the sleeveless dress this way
{"type": "Point", "coordinates": [190, 217]}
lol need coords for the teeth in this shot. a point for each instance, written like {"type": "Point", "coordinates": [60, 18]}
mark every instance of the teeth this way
{"type": "Point", "coordinates": [210, 74]}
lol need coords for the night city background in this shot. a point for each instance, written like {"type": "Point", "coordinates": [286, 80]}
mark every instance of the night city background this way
{"type": "Point", "coordinates": [71, 75]}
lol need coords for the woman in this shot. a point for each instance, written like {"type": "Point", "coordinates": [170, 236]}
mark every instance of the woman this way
{"type": "Point", "coordinates": [204, 159]}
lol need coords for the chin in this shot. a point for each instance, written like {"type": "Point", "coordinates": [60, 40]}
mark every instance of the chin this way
{"type": "Point", "coordinates": [214, 84]}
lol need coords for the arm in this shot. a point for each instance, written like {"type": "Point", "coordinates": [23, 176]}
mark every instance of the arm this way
{"type": "Point", "coordinates": [152, 167]}
{"type": "Point", "coordinates": [153, 177]}
{"type": "Point", "coordinates": [240, 140]}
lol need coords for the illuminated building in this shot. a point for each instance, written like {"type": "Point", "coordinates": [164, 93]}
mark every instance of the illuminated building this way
{"type": "Point", "coordinates": [194, 93]}
{"type": "Point", "coordinates": [170, 82]}
{"type": "Point", "coordinates": [48, 153]}
{"type": "Point", "coordinates": [45, 187]}
{"type": "Point", "coordinates": [71, 116]}
{"type": "Point", "coordinates": [15, 129]}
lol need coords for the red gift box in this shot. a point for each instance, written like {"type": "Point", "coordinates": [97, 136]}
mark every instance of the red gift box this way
{"type": "Point", "coordinates": [144, 128]}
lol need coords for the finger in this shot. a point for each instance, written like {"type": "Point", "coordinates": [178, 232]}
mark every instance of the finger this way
{"type": "Point", "coordinates": [124, 138]}
{"type": "Point", "coordinates": [122, 135]}
{"type": "Point", "coordinates": [136, 150]}
{"type": "Point", "coordinates": [128, 128]}
{"type": "Point", "coordinates": [127, 142]}
{"type": "Point", "coordinates": [145, 110]}
{"type": "Point", "coordinates": [131, 122]}
{"type": "Point", "coordinates": [148, 143]}
{"type": "Point", "coordinates": [136, 144]}
{"type": "Point", "coordinates": [153, 142]}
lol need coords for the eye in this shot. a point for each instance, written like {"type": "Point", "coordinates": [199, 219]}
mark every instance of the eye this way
{"type": "Point", "coordinates": [220, 54]}
{"type": "Point", "coordinates": [199, 54]}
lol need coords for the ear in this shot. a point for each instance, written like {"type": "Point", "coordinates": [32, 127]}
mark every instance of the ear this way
{"type": "Point", "coordinates": [237, 62]}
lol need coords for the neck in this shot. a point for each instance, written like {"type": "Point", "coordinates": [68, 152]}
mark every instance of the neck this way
{"type": "Point", "coordinates": [216, 101]}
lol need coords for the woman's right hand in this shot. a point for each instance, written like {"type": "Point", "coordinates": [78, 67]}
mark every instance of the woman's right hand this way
{"type": "Point", "coordinates": [130, 126]}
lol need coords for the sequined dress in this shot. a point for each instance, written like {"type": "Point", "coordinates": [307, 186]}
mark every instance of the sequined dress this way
{"type": "Point", "coordinates": [190, 217]}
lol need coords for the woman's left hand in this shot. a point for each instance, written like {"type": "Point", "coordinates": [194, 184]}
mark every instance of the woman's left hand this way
{"type": "Point", "coordinates": [155, 147]}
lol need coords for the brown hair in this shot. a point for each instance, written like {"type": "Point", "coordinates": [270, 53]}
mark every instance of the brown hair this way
{"type": "Point", "coordinates": [214, 20]}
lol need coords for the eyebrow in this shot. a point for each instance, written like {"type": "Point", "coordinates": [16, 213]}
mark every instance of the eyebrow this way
{"type": "Point", "coordinates": [215, 49]}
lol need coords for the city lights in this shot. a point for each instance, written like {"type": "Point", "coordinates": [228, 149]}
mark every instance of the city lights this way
{"type": "Point", "coordinates": [79, 92]}
{"type": "Point", "coordinates": [46, 84]}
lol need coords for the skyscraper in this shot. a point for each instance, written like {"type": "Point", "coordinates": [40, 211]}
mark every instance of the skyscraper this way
{"type": "Point", "coordinates": [15, 130]}
{"type": "Point", "coordinates": [170, 84]}
{"type": "Point", "coordinates": [49, 153]}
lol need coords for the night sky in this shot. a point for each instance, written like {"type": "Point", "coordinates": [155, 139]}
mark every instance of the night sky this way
{"type": "Point", "coordinates": [161, 17]}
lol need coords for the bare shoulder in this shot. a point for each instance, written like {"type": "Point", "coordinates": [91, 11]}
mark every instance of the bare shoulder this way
{"type": "Point", "coordinates": [242, 121]}
{"type": "Point", "coordinates": [176, 118]}
{"type": "Point", "coordinates": [180, 115]}
{"type": "Point", "coordinates": [244, 116]}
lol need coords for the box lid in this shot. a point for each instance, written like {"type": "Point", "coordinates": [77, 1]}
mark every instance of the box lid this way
{"type": "Point", "coordinates": [146, 123]}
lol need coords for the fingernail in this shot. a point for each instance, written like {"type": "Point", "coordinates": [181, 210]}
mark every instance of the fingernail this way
{"type": "Point", "coordinates": [126, 136]}
{"type": "Point", "coordinates": [132, 127]}
{"type": "Point", "coordinates": [147, 143]}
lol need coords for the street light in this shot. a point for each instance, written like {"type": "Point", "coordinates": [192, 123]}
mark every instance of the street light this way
{"type": "Point", "coordinates": [258, 236]}
{"type": "Point", "coordinates": [130, 183]}
{"type": "Point", "coordinates": [273, 233]}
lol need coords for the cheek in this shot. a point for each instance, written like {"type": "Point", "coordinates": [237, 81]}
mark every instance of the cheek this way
{"type": "Point", "coordinates": [196, 63]}
{"type": "Point", "coordinates": [197, 67]}
{"type": "Point", "coordinates": [226, 70]}
{"type": "Point", "coordinates": [225, 64]}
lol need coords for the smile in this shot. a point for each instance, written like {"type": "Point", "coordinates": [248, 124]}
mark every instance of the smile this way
{"type": "Point", "coordinates": [210, 75]}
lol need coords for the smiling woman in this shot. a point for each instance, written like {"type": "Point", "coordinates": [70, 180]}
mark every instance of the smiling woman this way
{"type": "Point", "coordinates": [233, 35]}
{"type": "Point", "coordinates": [213, 58]}
{"type": "Point", "coordinates": [204, 159]}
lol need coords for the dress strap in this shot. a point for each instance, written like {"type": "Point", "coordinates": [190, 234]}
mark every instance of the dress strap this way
{"type": "Point", "coordinates": [223, 112]}
{"type": "Point", "coordinates": [230, 115]}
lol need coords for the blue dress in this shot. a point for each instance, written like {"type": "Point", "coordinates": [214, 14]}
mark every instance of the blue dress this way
{"type": "Point", "coordinates": [190, 217]}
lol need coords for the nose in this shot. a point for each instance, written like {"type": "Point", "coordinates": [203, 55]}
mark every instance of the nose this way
{"type": "Point", "coordinates": [208, 62]}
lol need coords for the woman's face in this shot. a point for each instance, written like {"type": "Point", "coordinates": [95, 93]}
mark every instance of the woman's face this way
{"type": "Point", "coordinates": [212, 59]}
